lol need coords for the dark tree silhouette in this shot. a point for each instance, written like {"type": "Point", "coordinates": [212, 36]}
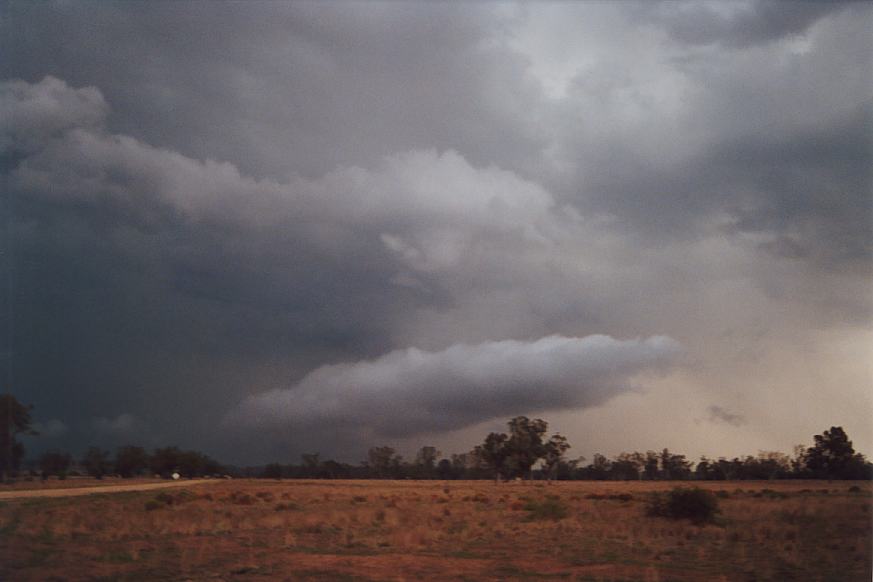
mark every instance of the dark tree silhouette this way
{"type": "Point", "coordinates": [131, 460]}
{"type": "Point", "coordinates": [525, 444]}
{"type": "Point", "coordinates": [493, 453]}
{"type": "Point", "coordinates": [96, 462]}
{"type": "Point", "coordinates": [425, 462]}
{"type": "Point", "coordinates": [833, 457]}
{"type": "Point", "coordinates": [272, 471]}
{"type": "Point", "coordinates": [54, 463]}
{"type": "Point", "coordinates": [14, 420]}
{"type": "Point", "coordinates": [553, 455]}
{"type": "Point", "coordinates": [383, 462]}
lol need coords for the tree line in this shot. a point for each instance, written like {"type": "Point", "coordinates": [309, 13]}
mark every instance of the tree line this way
{"type": "Point", "coordinates": [525, 451]}
{"type": "Point", "coordinates": [129, 461]}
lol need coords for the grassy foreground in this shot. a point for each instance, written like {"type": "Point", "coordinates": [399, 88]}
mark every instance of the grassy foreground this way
{"type": "Point", "coordinates": [462, 530]}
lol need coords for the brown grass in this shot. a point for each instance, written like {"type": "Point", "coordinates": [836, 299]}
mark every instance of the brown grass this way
{"type": "Point", "coordinates": [401, 530]}
{"type": "Point", "coordinates": [52, 483]}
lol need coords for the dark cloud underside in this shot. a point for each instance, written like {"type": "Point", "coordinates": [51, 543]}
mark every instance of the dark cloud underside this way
{"type": "Point", "coordinates": [211, 208]}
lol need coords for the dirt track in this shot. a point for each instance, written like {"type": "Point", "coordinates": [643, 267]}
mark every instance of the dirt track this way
{"type": "Point", "coordinates": [77, 491]}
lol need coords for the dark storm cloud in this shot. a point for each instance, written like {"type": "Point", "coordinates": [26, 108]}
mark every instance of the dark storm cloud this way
{"type": "Point", "coordinates": [462, 385]}
{"type": "Point", "coordinates": [297, 87]}
{"type": "Point", "coordinates": [719, 414]}
{"type": "Point", "coordinates": [210, 201]}
{"type": "Point", "coordinates": [737, 24]}
{"type": "Point", "coordinates": [808, 191]}
{"type": "Point", "coordinates": [144, 274]}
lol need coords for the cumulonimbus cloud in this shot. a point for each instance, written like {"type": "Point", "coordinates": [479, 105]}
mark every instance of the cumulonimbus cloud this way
{"type": "Point", "coordinates": [412, 391]}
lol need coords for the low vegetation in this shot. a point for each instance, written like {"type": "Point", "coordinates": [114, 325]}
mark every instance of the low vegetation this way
{"type": "Point", "coordinates": [695, 504]}
{"type": "Point", "coordinates": [473, 530]}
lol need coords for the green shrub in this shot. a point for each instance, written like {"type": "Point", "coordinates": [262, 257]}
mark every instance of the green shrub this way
{"type": "Point", "coordinates": [698, 505]}
{"type": "Point", "coordinates": [152, 505]}
{"type": "Point", "coordinates": [546, 509]}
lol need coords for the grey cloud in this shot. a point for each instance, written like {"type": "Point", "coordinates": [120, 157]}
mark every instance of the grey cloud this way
{"type": "Point", "coordinates": [51, 429]}
{"type": "Point", "coordinates": [124, 423]}
{"type": "Point", "coordinates": [718, 414]}
{"type": "Point", "coordinates": [807, 190]}
{"type": "Point", "coordinates": [298, 87]}
{"type": "Point", "coordinates": [737, 24]}
{"type": "Point", "coordinates": [30, 114]}
{"type": "Point", "coordinates": [459, 386]}
{"type": "Point", "coordinates": [191, 261]}
{"type": "Point", "coordinates": [263, 190]}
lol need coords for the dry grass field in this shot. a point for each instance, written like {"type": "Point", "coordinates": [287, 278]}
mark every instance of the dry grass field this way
{"type": "Point", "coordinates": [412, 530]}
{"type": "Point", "coordinates": [36, 483]}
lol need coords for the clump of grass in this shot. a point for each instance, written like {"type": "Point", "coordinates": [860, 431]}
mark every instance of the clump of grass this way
{"type": "Point", "coordinates": [164, 498]}
{"type": "Point", "coordinates": [153, 504]}
{"type": "Point", "coordinates": [698, 505]}
{"type": "Point", "coordinates": [359, 499]}
{"type": "Point", "coordinates": [854, 489]}
{"type": "Point", "coordinates": [290, 506]}
{"type": "Point", "coordinates": [551, 509]}
{"type": "Point", "coordinates": [613, 497]}
{"type": "Point", "coordinates": [775, 494]}
{"type": "Point", "coordinates": [184, 496]}
{"type": "Point", "coordinates": [10, 527]}
{"type": "Point", "coordinates": [118, 557]}
{"type": "Point", "coordinates": [242, 498]}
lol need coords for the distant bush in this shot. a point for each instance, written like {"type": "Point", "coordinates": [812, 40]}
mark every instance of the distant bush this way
{"type": "Point", "coordinates": [290, 506]}
{"type": "Point", "coordinates": [854, 489]}
{"type": "Point", "coordinates": [546, 509]}
{"type": "Point", "coordinates": [613, 497]}
{"type": "Point", "coordinates": [698, 505]}
{"type": "Point", "coordinates": [152, 505]}
{"type": "Point", "coordinates": [164, 498]}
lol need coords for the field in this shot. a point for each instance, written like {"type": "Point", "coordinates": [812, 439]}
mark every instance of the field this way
{"type": "Point", "coordinates": [463, 530]}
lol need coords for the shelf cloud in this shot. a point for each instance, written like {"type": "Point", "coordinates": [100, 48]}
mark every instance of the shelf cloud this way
{"type": "Point", "coordinates": [411, 391]}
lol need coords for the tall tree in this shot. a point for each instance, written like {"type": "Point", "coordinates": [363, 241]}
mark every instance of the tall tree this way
{"type": "Point", "coordinates": [14, 420]}
{"type": "Point", "coordinates": [493, 453]}
{"type": "Point", "coordinates": [833, 457]}
{"type": "Point", "coordinates": [525, 444]}
{"type": "Point", "coordinates": [54, 463]}
{"type": "Point", "coordinates": [383, 462]}
{"type": "Point", "coordinates": [96, 462]}
{"type": "Point", "coordinates": [650, 465]}
{"type": "Point", "coordinates": [165, 461]}
{"type": "Point", "coordinates": [425, 462]}
{"type": "Point", "coordinates": [674, 466]}
{"type": "Point", "coordinates": [554, 454]}
{"type": "Point", "coordinates": [131, 460]}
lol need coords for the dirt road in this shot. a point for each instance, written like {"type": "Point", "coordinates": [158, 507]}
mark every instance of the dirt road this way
{"type": "Point", "coordinates": [77, 491]}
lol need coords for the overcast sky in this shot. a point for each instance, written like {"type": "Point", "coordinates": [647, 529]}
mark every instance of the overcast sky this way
{"type": "Point", "coordinates": [261, 229]}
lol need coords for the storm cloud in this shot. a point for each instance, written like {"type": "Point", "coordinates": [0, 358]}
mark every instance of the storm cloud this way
{"type": "Point", "coordinates": [212, 207]}
{"type": "Point", "coordinates": [459, 386]}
